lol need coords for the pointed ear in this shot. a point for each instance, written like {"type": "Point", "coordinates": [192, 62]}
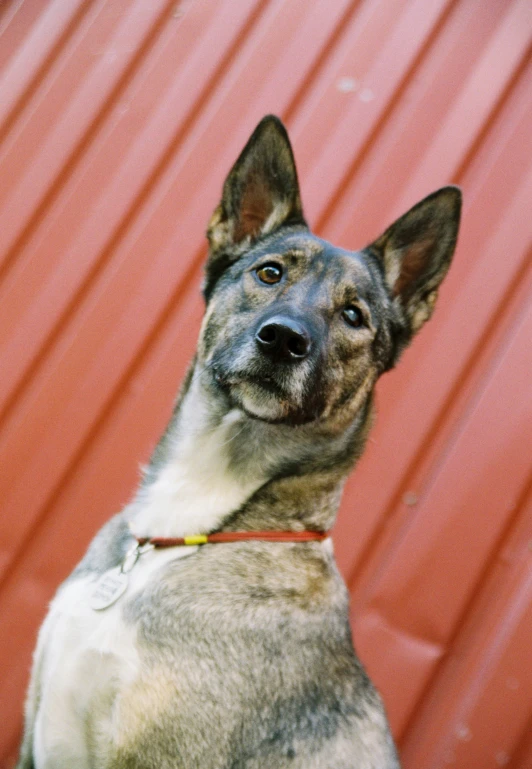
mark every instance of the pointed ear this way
{"type": "Point", "coordinates": [260, 194]}
{"type": "Point", "coordinates": [416, 252]}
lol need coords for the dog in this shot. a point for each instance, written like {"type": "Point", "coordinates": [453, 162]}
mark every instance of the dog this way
{"type": "Point", "coordinates": [207, 625]}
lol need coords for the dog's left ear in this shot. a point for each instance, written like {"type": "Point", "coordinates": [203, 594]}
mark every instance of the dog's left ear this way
{"type": "Point", "coordinates": [260, 194]}
{"type": "Point", "coordinates": [416, 252]}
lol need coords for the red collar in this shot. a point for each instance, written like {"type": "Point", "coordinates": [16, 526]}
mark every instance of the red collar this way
{"type": "Point", "coordinates": [234, 536]}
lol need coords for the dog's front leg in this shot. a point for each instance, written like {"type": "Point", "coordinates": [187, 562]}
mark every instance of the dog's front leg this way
{"type": "Point", "coordinates": [26, 760]}
{"type": "Point", "coordinates": [52, 738]}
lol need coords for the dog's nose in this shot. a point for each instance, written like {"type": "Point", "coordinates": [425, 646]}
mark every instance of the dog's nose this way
{"type": "Point", "coordinates": [284, 339]}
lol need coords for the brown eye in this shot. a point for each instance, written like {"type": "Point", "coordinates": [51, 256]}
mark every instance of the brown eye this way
{"type": "Point", "coordinates": [353, 316]}
{"type": "Point", "coordinates": [270, 273]}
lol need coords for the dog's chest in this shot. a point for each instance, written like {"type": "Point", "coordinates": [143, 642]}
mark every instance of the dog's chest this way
{"type": "Point", "coordinates": [89, 660]}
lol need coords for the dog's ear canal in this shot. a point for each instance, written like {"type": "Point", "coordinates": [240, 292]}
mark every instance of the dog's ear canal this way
{"type": "Point", "coordinates": [260, 194]}
{"type": "Point", "coordinates": [416, 252]}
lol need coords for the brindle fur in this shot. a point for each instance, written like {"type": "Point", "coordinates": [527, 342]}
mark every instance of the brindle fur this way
{"type": "Point", "coordinates": [241, 655]}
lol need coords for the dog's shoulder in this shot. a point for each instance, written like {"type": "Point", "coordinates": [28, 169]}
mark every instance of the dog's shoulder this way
{"type": "Point", "coordinates": [262, 628]}
{"type": "Point", "coordinates": [107, 549]}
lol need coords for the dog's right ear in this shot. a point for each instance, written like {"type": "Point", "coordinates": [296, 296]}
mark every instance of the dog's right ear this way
{"type": "Point", "coordinates": [260, 194]}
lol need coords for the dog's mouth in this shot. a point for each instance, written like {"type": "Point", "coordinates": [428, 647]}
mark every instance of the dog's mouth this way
{"type": "Point", "coordinates": [262, 396]}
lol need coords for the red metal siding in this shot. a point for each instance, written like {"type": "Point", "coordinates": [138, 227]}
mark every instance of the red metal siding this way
{"type": "Point", "coordinates": [118, 123]}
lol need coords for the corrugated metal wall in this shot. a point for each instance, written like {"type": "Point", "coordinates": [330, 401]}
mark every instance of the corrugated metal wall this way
{"type": "Point", "coordinates": [119, 121]}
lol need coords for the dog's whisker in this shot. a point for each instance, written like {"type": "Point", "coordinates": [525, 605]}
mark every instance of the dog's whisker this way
{"type": "Point", "coordinates": [234, 436]}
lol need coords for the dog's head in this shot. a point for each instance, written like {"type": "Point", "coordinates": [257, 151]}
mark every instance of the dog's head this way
{"type": "Point", "coordinates": [297, 329]}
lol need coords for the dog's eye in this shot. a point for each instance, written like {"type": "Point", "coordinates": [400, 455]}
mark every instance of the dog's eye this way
{"type": "Point", "coordinates": [353, 316]}
{"type": "Point", "coordinates": [270, 273]}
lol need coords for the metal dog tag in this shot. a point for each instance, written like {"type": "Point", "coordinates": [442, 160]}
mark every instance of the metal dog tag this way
{"type": "Point", "coordinates": [109, 588]}
{"type": "Point", "coordinates": [113, 583]}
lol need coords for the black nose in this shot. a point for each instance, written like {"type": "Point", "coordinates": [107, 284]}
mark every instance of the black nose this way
{"type": "Point", "coordinates": [283, 338]}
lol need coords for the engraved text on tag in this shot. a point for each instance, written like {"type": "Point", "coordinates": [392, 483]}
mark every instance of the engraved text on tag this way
{"type": "Point", "coordinates": [108, 589]}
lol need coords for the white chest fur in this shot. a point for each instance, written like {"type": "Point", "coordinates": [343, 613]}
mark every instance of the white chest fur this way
{"type": "Point", "coordinates": [196, 488]}
{"type": "Point", "coordinates": [88, 659]}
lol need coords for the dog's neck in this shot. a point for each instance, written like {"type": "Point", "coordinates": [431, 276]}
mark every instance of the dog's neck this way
{"type": "Point", "coordinates": [216, 467]}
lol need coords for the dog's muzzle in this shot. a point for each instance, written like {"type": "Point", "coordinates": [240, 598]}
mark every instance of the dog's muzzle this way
{"type": "Point", "coordinates": [283, 339]}
{"type": "Point", "coordinates": [272, 371]}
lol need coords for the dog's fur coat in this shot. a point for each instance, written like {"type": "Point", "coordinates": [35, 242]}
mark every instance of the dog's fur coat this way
{"type": "Point", "coordinates": [239, 656]}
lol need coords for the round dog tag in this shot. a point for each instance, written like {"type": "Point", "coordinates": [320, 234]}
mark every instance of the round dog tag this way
{"type": "Point", "coordinates": [109, 588]}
